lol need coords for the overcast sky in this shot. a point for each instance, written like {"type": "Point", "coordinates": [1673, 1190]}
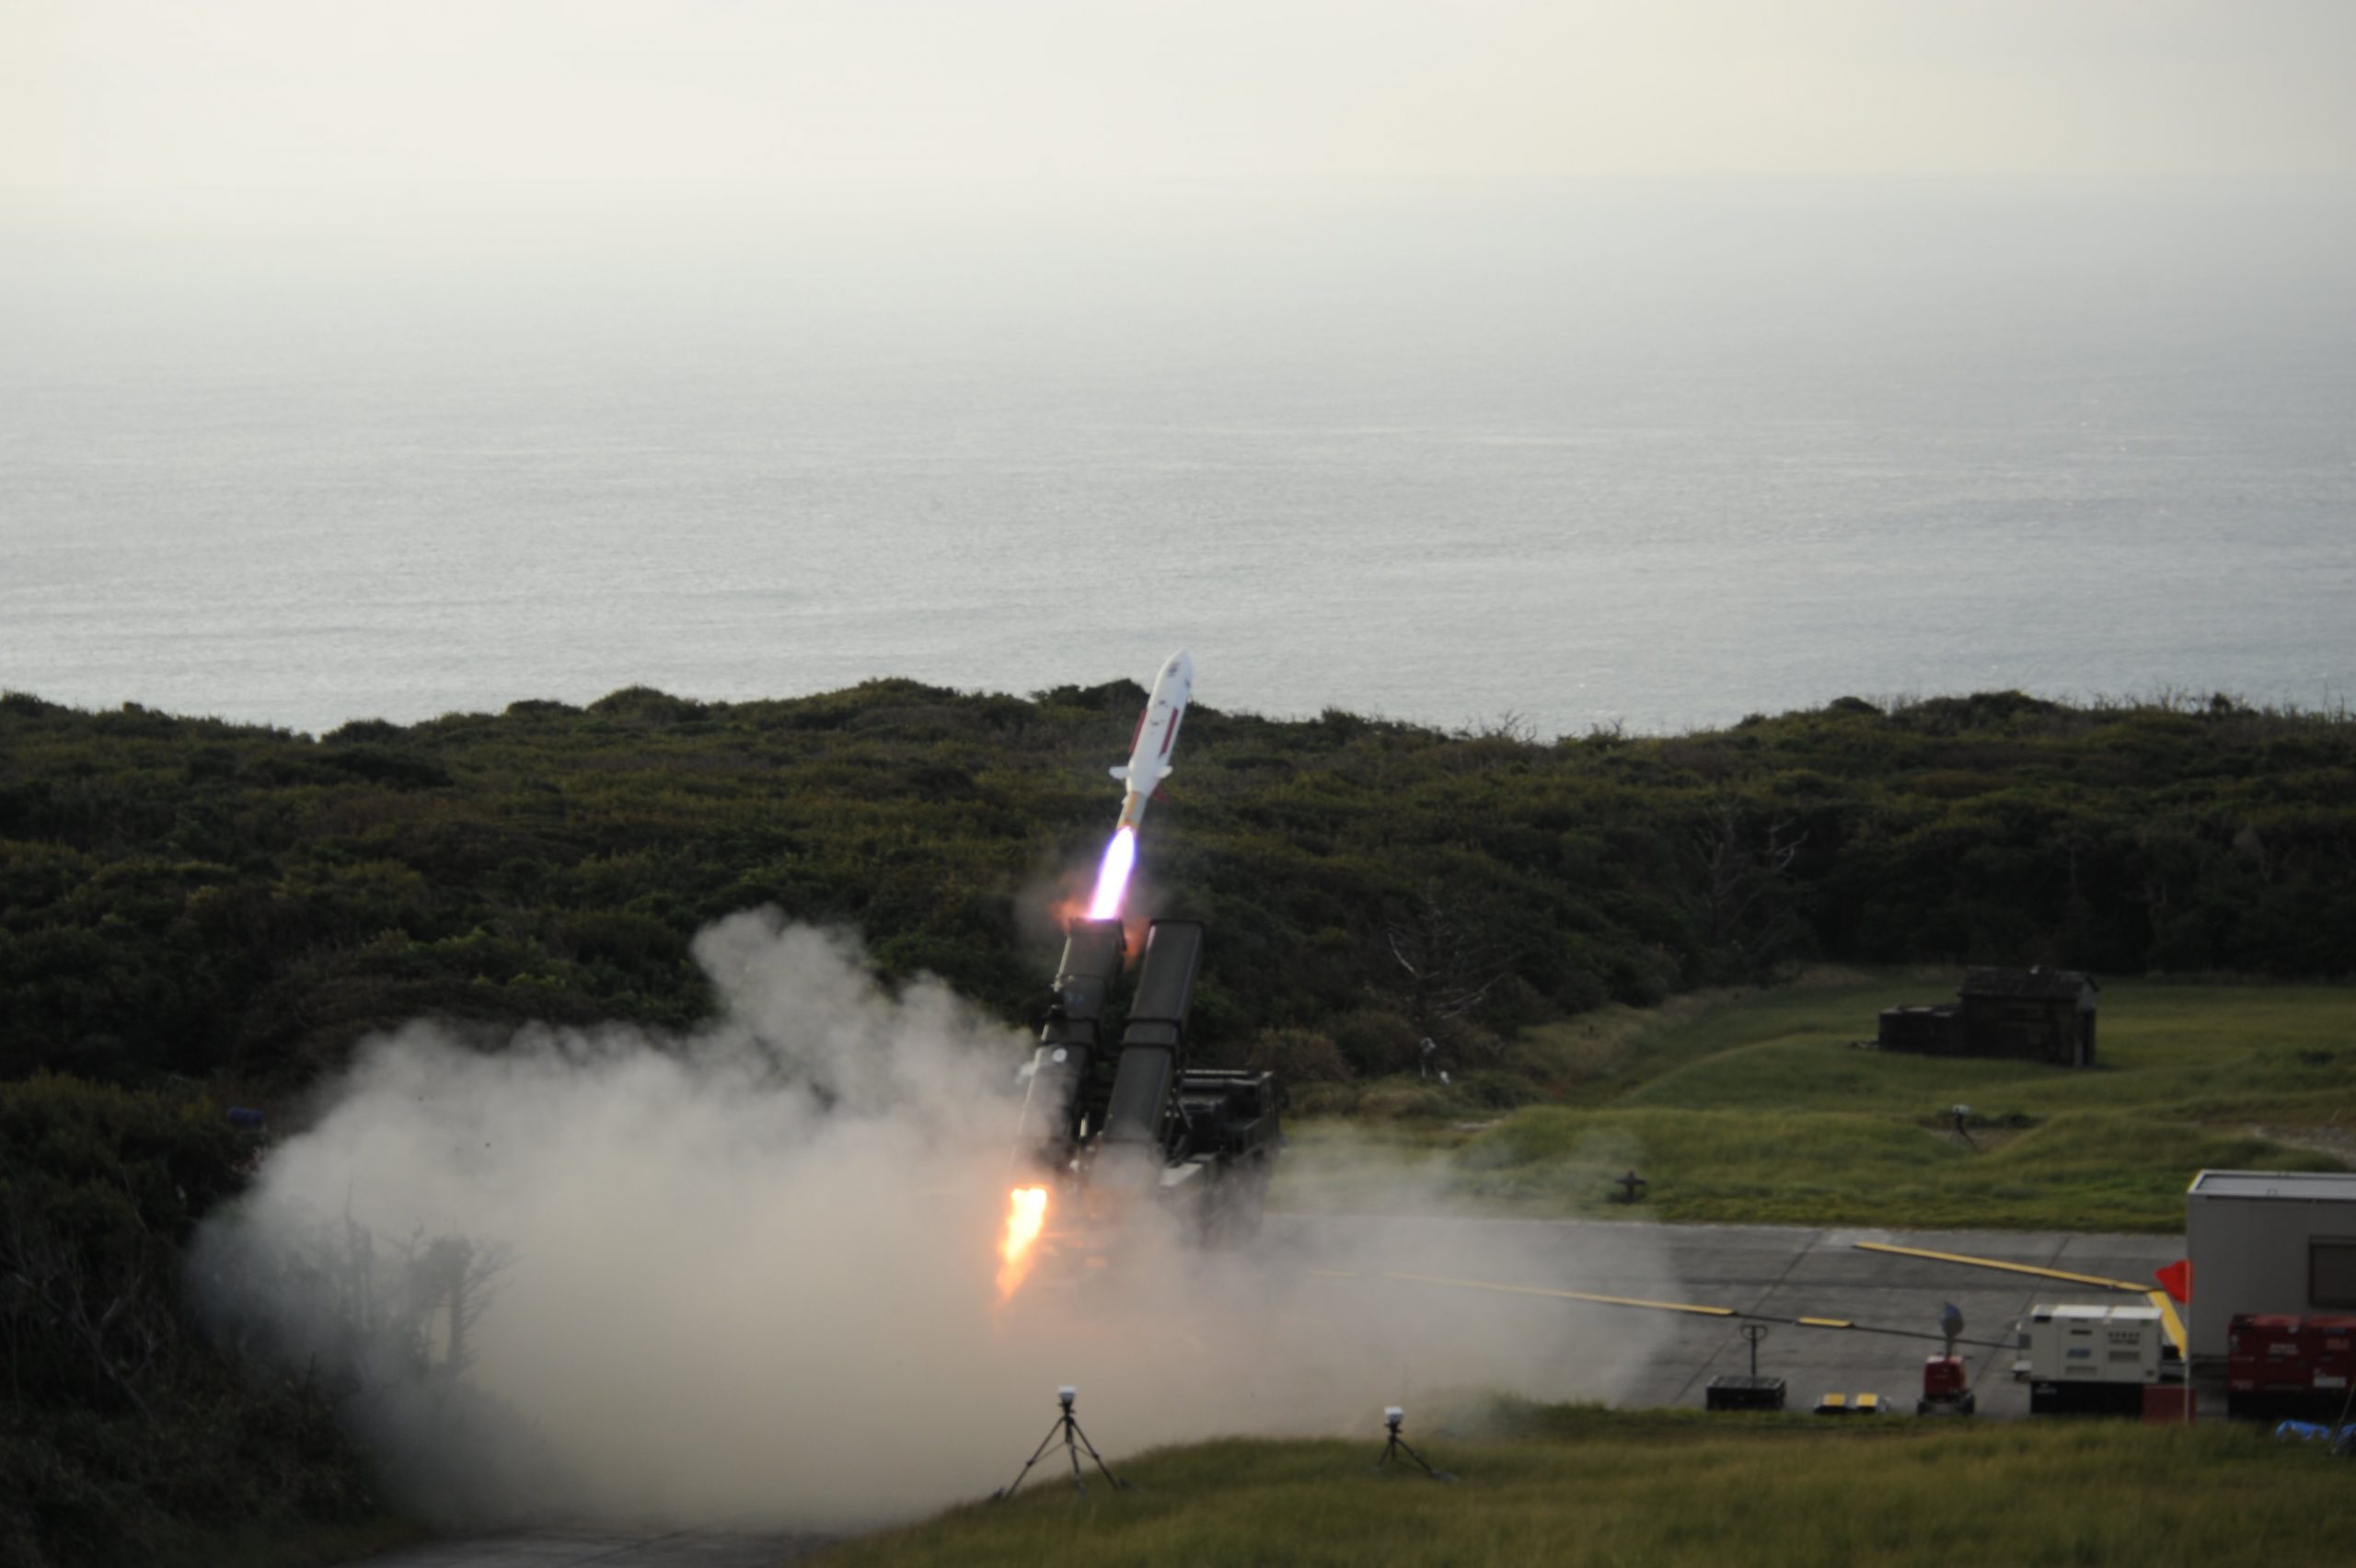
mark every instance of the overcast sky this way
{"type": "Point", "coordinates": [108, 94]}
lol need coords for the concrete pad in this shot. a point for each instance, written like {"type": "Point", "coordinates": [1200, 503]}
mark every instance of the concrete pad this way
{"type": "Point", "coordinates": [1777, 1271]}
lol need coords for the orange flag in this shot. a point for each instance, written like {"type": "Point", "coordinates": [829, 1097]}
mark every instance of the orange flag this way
{"type": "Point", "coordinates": [2177, 1280]}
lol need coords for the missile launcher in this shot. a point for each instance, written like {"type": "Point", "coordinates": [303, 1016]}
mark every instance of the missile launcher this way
{"type": "Point", "coordinates": [1108, 1125]}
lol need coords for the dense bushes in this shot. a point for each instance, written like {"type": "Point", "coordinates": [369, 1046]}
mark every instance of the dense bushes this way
{"type": "Point", "coordinates": [122, 1430]}
{"type": "Point", "coordinates": [207, 899]}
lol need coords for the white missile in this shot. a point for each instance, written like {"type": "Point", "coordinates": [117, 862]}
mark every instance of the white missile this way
{"type": "Point", "coordinates": [1149, 762]}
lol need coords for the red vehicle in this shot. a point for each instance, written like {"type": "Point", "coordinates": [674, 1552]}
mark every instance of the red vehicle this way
{"type": "Point", "coordinates": [1944, 1388]}
{"type": "Point", "coordinates": [2328, 1344]}
{"type": "Point", "coordinates": [2277, 1365]}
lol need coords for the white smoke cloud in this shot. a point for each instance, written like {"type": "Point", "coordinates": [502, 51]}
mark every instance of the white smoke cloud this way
{"type": "Point", "coordinates": [746, 1274]}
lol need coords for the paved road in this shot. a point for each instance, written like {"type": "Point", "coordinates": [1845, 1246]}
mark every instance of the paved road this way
{"type": "Point", "coordinates": [1788, 1271]}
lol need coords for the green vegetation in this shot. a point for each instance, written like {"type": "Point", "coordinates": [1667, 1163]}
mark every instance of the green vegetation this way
{"type": "Point", "coordinates": [300, 1545]}
{"type": "Point", "coordinates": [195, 913]}
{"type": "Point", "coordinates": [1582, 1486]}
{"type": "Point", "coordinates": [1756, 1107]}
{"type": "Point", "coordinates": [126, 1434]}
{"type": "Point", "coordinates": [239, 904]}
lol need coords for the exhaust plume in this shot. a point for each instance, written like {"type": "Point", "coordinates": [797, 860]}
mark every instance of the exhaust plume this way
{"type": "Point", "coordinates": [1026, 1216]}
{"type": "Point", "coordinates": [749, 1272]}
{"type": "Point", "coordinates": [1112, 875]}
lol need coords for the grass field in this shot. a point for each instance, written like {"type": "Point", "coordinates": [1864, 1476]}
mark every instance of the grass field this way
{"type": "Point", "coordinates": [1580, 1486]}
{"type": "Point", "coordinates": [1755, 1107]}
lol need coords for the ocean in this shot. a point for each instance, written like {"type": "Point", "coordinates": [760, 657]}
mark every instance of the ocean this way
{"type": "Point", "coordinates": [1549, 457]}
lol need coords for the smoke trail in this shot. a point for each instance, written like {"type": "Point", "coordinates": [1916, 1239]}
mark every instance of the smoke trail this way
{"type": "Point", "coordinates": [747, 1273]}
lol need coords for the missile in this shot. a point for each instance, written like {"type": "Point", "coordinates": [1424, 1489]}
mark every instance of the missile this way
{"type": "Point", "coordinates": [1149, 762]}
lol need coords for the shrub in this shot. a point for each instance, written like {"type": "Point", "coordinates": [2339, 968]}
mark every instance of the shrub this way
{"type": "Point", "coordinates": [1375, 1042]}
{"type": "Point", "coordinates": [1298, 1057]}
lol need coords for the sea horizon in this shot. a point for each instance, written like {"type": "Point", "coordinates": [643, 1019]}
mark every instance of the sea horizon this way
{"type": "Point", "coordinates": [1568, 455]}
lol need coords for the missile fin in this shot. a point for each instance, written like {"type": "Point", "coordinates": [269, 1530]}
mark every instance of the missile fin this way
{"type": "Point", "coordinates": [1120, 773]}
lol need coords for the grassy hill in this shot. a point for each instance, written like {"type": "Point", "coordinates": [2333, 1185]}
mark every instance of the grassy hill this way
{"type": "Point", "coordinates": [1584, 1487]}
{"type": "Point", "coordinates": [1756, 1107]}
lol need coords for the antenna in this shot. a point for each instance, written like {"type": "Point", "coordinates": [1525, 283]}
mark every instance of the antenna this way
{"type": "Point", "coordinates": [1067, 1427]}
{"type": "Point", "coordinates": [1393, 1417]}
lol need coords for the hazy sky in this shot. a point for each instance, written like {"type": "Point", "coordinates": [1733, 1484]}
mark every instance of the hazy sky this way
{"type": "Point", "coordinates": [131, 93]}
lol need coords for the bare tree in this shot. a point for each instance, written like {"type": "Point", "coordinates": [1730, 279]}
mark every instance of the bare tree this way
{"type": "Point", "coordinates": [1738, 894]}
{"type": "Point", "coordinates": [455, 1276]}
{"type": "Point", "coordinates": [388, 1314]}
{"type": "Point", "coordinates": [1449, 954]}
{"type": "Point", "coordinates": [101, 1310]}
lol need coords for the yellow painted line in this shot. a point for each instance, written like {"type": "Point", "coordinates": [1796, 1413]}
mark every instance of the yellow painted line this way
{"type": "Point", "coordinates": [2170, 1322]}
{"type": "Point", "coordinates": [1569, 1294]}
{"type": "Point", "coordinates": [2097, 1280]}
{"type": "Point", "coordinates": [1824, 1322]}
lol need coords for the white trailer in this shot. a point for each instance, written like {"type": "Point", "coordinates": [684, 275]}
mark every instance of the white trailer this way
{"type": "Point", "coordinates": [2267, 1241]}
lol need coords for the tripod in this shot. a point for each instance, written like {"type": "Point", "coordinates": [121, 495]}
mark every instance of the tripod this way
{"type": "Point", "coordinates": [1066, 1427]}
{"type": "Point", "coordinates": [1391, 1419]}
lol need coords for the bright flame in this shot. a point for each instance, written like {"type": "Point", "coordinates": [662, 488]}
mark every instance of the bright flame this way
{"type": "Point", "coordinates": [1113, 876]}
{"type": "Point", "coordinates": [1026, 1213]}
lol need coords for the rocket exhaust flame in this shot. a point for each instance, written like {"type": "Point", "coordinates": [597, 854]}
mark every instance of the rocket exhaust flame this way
{"type": "Point", "coordinates": [1026, 1214]}
{"type": "Point", "coordinates": [1112, 875]}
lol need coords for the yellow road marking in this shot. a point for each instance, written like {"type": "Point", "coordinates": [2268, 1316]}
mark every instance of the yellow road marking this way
{"type": "Point", "coordinates": [1824, 1322]}
{"type": "Point", "coordinates": [1569, 1294]}
{"type": "Point", "coordinates": [2171, 1322]}
{"type": "Point", "coordinates": [2097, 1280]}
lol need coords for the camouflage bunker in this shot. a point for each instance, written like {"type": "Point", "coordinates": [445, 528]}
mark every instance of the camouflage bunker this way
{"type": "Point", "coordinates": [2036, 1015]}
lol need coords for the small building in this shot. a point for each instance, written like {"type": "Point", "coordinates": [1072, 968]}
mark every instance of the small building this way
{"type": "Point", "coordinates": [2281, 1241]}
{"type": "Point", "coordinates": [1927, 1028]}
{"type": "Point", "coordinates": [2043, 1014]}
{"type": "Point", "coordinates": [2037, 1015]}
